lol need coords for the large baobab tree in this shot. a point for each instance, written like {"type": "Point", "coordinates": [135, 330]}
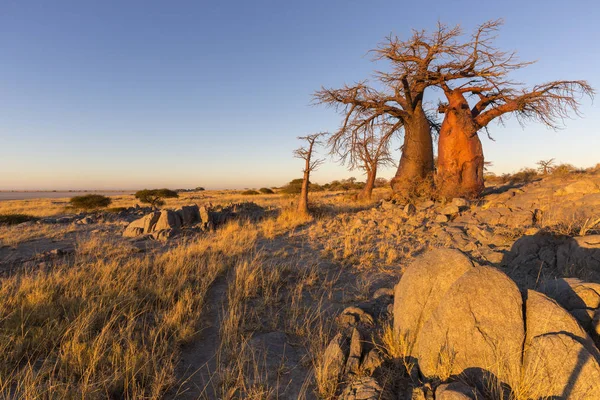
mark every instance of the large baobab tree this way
{"type": "Point", "coordinates": [399, 100]}
{"type": "Point", "coordinates": [364, 146]}
{"type": "Point", "coordinates": [310, 164]}
{"type": "Point", "coordinates": [477, 91]}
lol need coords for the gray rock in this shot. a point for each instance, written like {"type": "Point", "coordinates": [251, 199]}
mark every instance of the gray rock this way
{"type": "Point", "coordinates": [559, 366]}
{"type": "Point", "coordinates": [456, 391]}
{"type": "Point", "coordinates": [422, 287]}
{"type": "Point", "coordinates": [334, 358]}
{"type": "Point", "coordinates": [478, 325]}
{"type": "Point", "coordinates": [461, 203]}
{"type": "Point", "coordinates": [364, 388]}
{"type": "Point", "coordinates": [450, 210]}
{"type": "Point", "coordinates": [353, 363]}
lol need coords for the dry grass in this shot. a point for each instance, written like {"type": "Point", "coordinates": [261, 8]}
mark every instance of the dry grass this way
{"type": "Point", "coordinates": [109, 326]}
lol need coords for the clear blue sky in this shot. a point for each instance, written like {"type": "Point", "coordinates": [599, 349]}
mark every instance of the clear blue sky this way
{"type": "Point", "coordinates": [131, 94]}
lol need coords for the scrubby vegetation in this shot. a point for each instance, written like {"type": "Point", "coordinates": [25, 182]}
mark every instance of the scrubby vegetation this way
{"type": "Point", "coordinates": [14, 219]}
{"type": "Point", "coordinates": [266, 191]}
{"type": "Point", "coordinates": [155, 197]}
{"type": "Point", "coordinates": [250, 192]}
{"type": "Point", "coordinates": [90, 202]}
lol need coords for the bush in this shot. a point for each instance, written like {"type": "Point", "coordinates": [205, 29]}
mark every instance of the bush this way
{"type": "Point", "coordinates": [155, 197]}
{"type": "Point", "coordinates": [523, 176]}
{"type": "Point", "coordinates": [294, 187]}
{"type": "Point", "coordinates": [14, 219]}
{"type": "Point", "coordinates": [266, 191]}
{"type": "Point", "coordinates": [563, 170]}
{"type": "Point", "coordinates": [250, 193]}
{"type": "Point", "coordinates": [90, 201]}
{"type": "Point", "coordinates": [199, 189]}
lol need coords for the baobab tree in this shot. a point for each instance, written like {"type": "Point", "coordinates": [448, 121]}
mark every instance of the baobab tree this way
{"type": "Point", "coordinates": [478, 70]}
{"type": "Point", "coordinates": [306, 153]}
{"type": "Point", "coordinates": [364, 146]}
{"type": "Point", "coordinates": [400, 100]}
{"type": "Point", "coordinates": [545, 166]}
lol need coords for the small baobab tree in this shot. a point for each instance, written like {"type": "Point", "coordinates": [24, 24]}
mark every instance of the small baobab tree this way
{"type": "Point", "coordinates": [478, 90]}
{"type": "Point", "coordinates": [310, 164]}
{"type": "Point", "coordinates": [364, 146]}
{"type": "Point", "coordinates": [545, 166]}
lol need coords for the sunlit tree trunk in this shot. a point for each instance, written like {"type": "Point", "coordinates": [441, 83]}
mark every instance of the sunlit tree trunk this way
{"type": "Point", "coordinates": [303, 201]}
{"type": "Point", "coordinates": [460, 154]}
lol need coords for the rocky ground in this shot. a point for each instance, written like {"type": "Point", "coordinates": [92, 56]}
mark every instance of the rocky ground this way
{"type": "Point", "coordinates": [327, 317]}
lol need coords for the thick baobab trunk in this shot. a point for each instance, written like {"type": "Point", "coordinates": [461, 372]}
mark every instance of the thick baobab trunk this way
{"type": "Point", "coordinates": [303, 201]}
{"type": "Point", "coordinates": [460, 155]}
{"type": "Point", "coordinates": [367, 191]}
{"type": "Point", "coordinates": [416, 162]}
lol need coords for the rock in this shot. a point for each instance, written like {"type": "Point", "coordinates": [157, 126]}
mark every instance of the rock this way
{"type": "Point", "coordinates": [360, 315]}
{"type": "Point", "coordinates": [441, 218]}
{"type": "Point", "coordinates": [334, 358]}
{"type": "Point", "coordinates": [410, 209]}
{"type": "Point", "coordinates": [190, 215]}
{"type": "Point", "coordinates": [364, 388]}
{"type": "Point", "coordinates": [584, 186]}
{"type": "Point", "coordinates": [168, 219]}
{"type": "Point", "coordinates": [422, 287]}
{"type": "Point", "coordinates": [85, 221]}
{"type": "Point", "coordinates": [353, 363]}
{"type": "Point", "coordinates": [476, 328]}
{"type": "Point", "coordinates": [456, 391]}
{"type": "Point", "coordinates": [461, 203]}
{"type": "Point", "coordinates": [383, 293]}
{"type": "Point", "coordinates": [426, 205]}
{"type": "Point", "coordinates": [572, 293]}
{"type": "Point", "coordinates": [132, 231]}
{"type": "Point", "coordinates": [558, 366]}
{"type": "Point", "coordinates": [544, 316]}
{"type": "Point", "coordinates": [371, 362]}
{"type": "Point", "coordinates": [164, 234]}
{"type": "Point", "coordinates": [584, 316]}
{"type": "Point", "coordinates": [450, 210]}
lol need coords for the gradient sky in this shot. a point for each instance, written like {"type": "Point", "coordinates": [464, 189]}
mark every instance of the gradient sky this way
{"type": "Point", "coordinates": [132, 94]}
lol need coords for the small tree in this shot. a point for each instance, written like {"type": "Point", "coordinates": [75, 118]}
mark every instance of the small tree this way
{"type": "Point", "coordinates": [306, 153]}
{"type": "Point", "coordinates": [90, 201]}
{"type": "Point", "coordinates": [155, 197]}
{"type": "Point", "coordinates": [545, 166]}
{"type": "Point", "coordinates": [366, 146]}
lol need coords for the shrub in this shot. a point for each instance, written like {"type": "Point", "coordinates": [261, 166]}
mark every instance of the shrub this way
{"type": "Point", "coordinates": [294, 187]}
{"type": "Point", "coordinates": [266, 191]}
{"type": "Point", "coordinates": [199, 189]}
{"type": "Point", "coordinates": [250, 192]}
{"type": "Point", "coordinates": [523, 176]}
{"type": "Point", "coordinates": [563, 170]}
{"type": "Point", "coordinates": [155, 197]}
{"type": "Point", "coordinates": [14, 219]}
{"type": "Point", "coordinates": [90, 201]}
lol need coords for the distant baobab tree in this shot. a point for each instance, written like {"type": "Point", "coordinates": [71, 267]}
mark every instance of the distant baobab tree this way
{"type": "Point", "coordinates": [545, 166]}
{"type": "Point", "coordinates": [364, 146]}
{"type": "Point", "coordinates": [310, 164]}
{"type": "Point", "coordinates": [480, 70]}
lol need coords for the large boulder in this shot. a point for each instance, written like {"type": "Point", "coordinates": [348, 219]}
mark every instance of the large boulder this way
{"type": "Point", "coordinates": [190, 215]}
{"type": "Point", "coordinates": [422, 287]}
{"type": "Point", "coordinates": [164, 224]}
{"type": "Point", "coordinates": [168, 219]}
{"type": "Point", "coordinates": [142, 225]}
{"type": "Point", "coordinates": [558, 366]}
{"type": "Point", "coordinates": [476, 329]}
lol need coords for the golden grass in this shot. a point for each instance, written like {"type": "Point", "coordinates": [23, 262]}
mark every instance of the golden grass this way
{"type": "Point", "coordinates": [109, 326]}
